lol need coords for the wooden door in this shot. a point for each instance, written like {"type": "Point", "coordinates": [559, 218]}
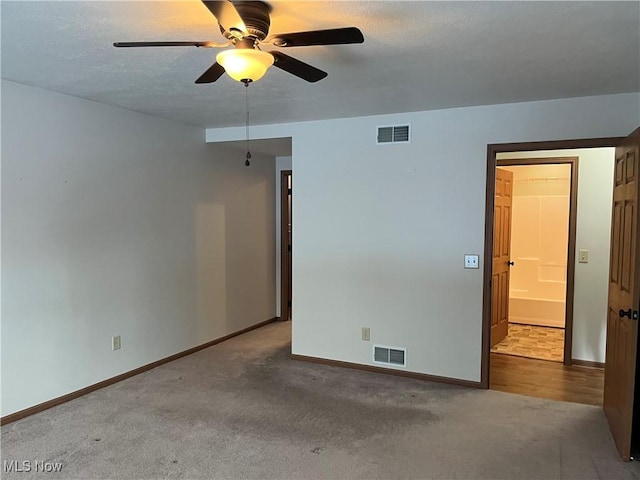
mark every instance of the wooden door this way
{"type": "Point", "coordinates": [286, 244]}
{"type": "Point", "coordinates": [624, 292]}
{"type": "Point", "coordinates": [289, 247]}
{"type": "Point", "coordinates": [501, 256]}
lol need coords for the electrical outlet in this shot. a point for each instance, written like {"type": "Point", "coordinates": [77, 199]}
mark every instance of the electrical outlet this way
{"type": "Point", "coordinates": [366, 334]}
{"type": "Point", "coordinates": [115, 343]}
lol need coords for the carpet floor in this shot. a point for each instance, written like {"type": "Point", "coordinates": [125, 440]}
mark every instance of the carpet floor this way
{"type": "Point", "coordinates": [243, 409]}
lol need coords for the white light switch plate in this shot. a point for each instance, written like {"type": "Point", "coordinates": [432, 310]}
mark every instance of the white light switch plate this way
{"type": "Point", "coordinates": [472, 261]}
{"type": "Point", "coordinates": [583, 256]}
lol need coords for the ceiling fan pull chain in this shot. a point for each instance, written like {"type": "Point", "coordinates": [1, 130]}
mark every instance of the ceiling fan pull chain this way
{"type": "Point", "coordinates": [246, 105]}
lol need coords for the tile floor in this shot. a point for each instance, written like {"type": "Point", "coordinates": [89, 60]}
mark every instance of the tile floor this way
{"type": "Point", "coordinates": [544, 343]}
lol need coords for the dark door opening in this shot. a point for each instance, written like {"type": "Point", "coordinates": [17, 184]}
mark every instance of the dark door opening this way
{"type": "Point", "coordinates": [286, 245]}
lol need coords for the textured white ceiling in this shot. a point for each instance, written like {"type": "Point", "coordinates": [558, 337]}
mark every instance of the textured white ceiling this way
{"type": "Point", "coordinates": [416, 56]}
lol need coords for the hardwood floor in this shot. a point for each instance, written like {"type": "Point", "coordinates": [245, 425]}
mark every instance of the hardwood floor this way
{"type": "Point", "coordinates": [545, 379]}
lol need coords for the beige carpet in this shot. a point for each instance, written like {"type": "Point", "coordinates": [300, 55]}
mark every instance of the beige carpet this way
{"type": "Point", "coordinates": [244, 410]}
{"type": "Point", "coordinates": [544, 343]}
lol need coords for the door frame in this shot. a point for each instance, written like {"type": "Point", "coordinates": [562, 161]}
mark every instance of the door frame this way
{"type": "Point", "coordinates": [285, 267]}
{"type": "Point", "coordinates": [492, 151]}
{"type": "Point", "coordinates": [571, 248]}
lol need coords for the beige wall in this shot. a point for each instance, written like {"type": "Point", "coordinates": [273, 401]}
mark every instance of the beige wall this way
{"type": "Point", "coordinates": [118, 223]}
{"type": "Point", "coordinates": [381, 230]}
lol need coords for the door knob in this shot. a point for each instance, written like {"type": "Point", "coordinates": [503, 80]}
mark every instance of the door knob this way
{"type": "Point", "coordinates": [511, 264]}
{"type": "Point", "coordinates": [631, 314]}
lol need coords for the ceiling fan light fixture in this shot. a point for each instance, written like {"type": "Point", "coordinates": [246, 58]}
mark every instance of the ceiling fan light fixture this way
{"type": "Point", "coordinates": [245, 64]}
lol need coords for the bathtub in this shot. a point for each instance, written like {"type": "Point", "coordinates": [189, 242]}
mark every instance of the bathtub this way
{"type": "Point", "coordinates": [537, 311]}
{"type": "Point", "coordinates": [537, 292]}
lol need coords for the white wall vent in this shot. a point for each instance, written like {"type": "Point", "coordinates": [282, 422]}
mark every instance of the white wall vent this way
{"type": "Point", "coordinates": [390, 355]}
{"type": "Point", "coordinates": [393, 134]}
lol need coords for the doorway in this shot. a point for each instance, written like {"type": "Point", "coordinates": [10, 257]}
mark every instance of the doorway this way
{"type": "Point", "coordinates": [534, 150]}
{"type": "Point", "coordinates": [534, 240]}
{"type": "Point", "coordinates": [286, 245]}
{"type": "Point", "coordinates": [568, 380]}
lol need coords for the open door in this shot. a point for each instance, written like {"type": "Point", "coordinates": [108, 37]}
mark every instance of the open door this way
{"type": "Point", "coordinates": [501, 256]}
{"type": "Point", "coordinates": [624, 296]}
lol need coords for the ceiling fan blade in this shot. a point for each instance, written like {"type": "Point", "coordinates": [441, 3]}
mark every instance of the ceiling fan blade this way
{"type": "Point", "coordinates": [227, 15]}
{"type": "Point", "coordinates": [297, 68]}
{"type": "Point", "coordinates": [166, 44]}
{"type": "Point", "coordinates": [334, 36]}
{"type": "Point", "coordinates": [214, 72]}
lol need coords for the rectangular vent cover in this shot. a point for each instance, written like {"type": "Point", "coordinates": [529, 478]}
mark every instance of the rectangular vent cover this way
{"type": "Point", "coordinates": [394, 134]}
{"type": "Point", "coordinates": [390, 355]}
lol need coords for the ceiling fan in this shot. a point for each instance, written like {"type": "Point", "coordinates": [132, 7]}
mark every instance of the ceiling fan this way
{"type": "Point", "coordinates": [245, 25]}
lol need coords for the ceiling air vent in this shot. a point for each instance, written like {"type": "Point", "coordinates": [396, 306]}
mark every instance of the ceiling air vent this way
{"type": "Point", "coordinates": [394, 134]}
{"type": "Point", "coordinates": [390, 355]}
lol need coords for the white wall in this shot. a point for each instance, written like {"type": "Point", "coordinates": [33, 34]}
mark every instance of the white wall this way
{"type": "Point", "coordinates": [282, 163]}
{"type": "Point", "coordinates": [117, 223]}
{"type": "Point", "coordinates": [380, 231]}
{"type": "Point", "coordinates": [593, 233]}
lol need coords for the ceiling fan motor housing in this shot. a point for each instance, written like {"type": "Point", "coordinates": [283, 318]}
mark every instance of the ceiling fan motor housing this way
{"type": "Point", "coordinates": [256, 18]}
